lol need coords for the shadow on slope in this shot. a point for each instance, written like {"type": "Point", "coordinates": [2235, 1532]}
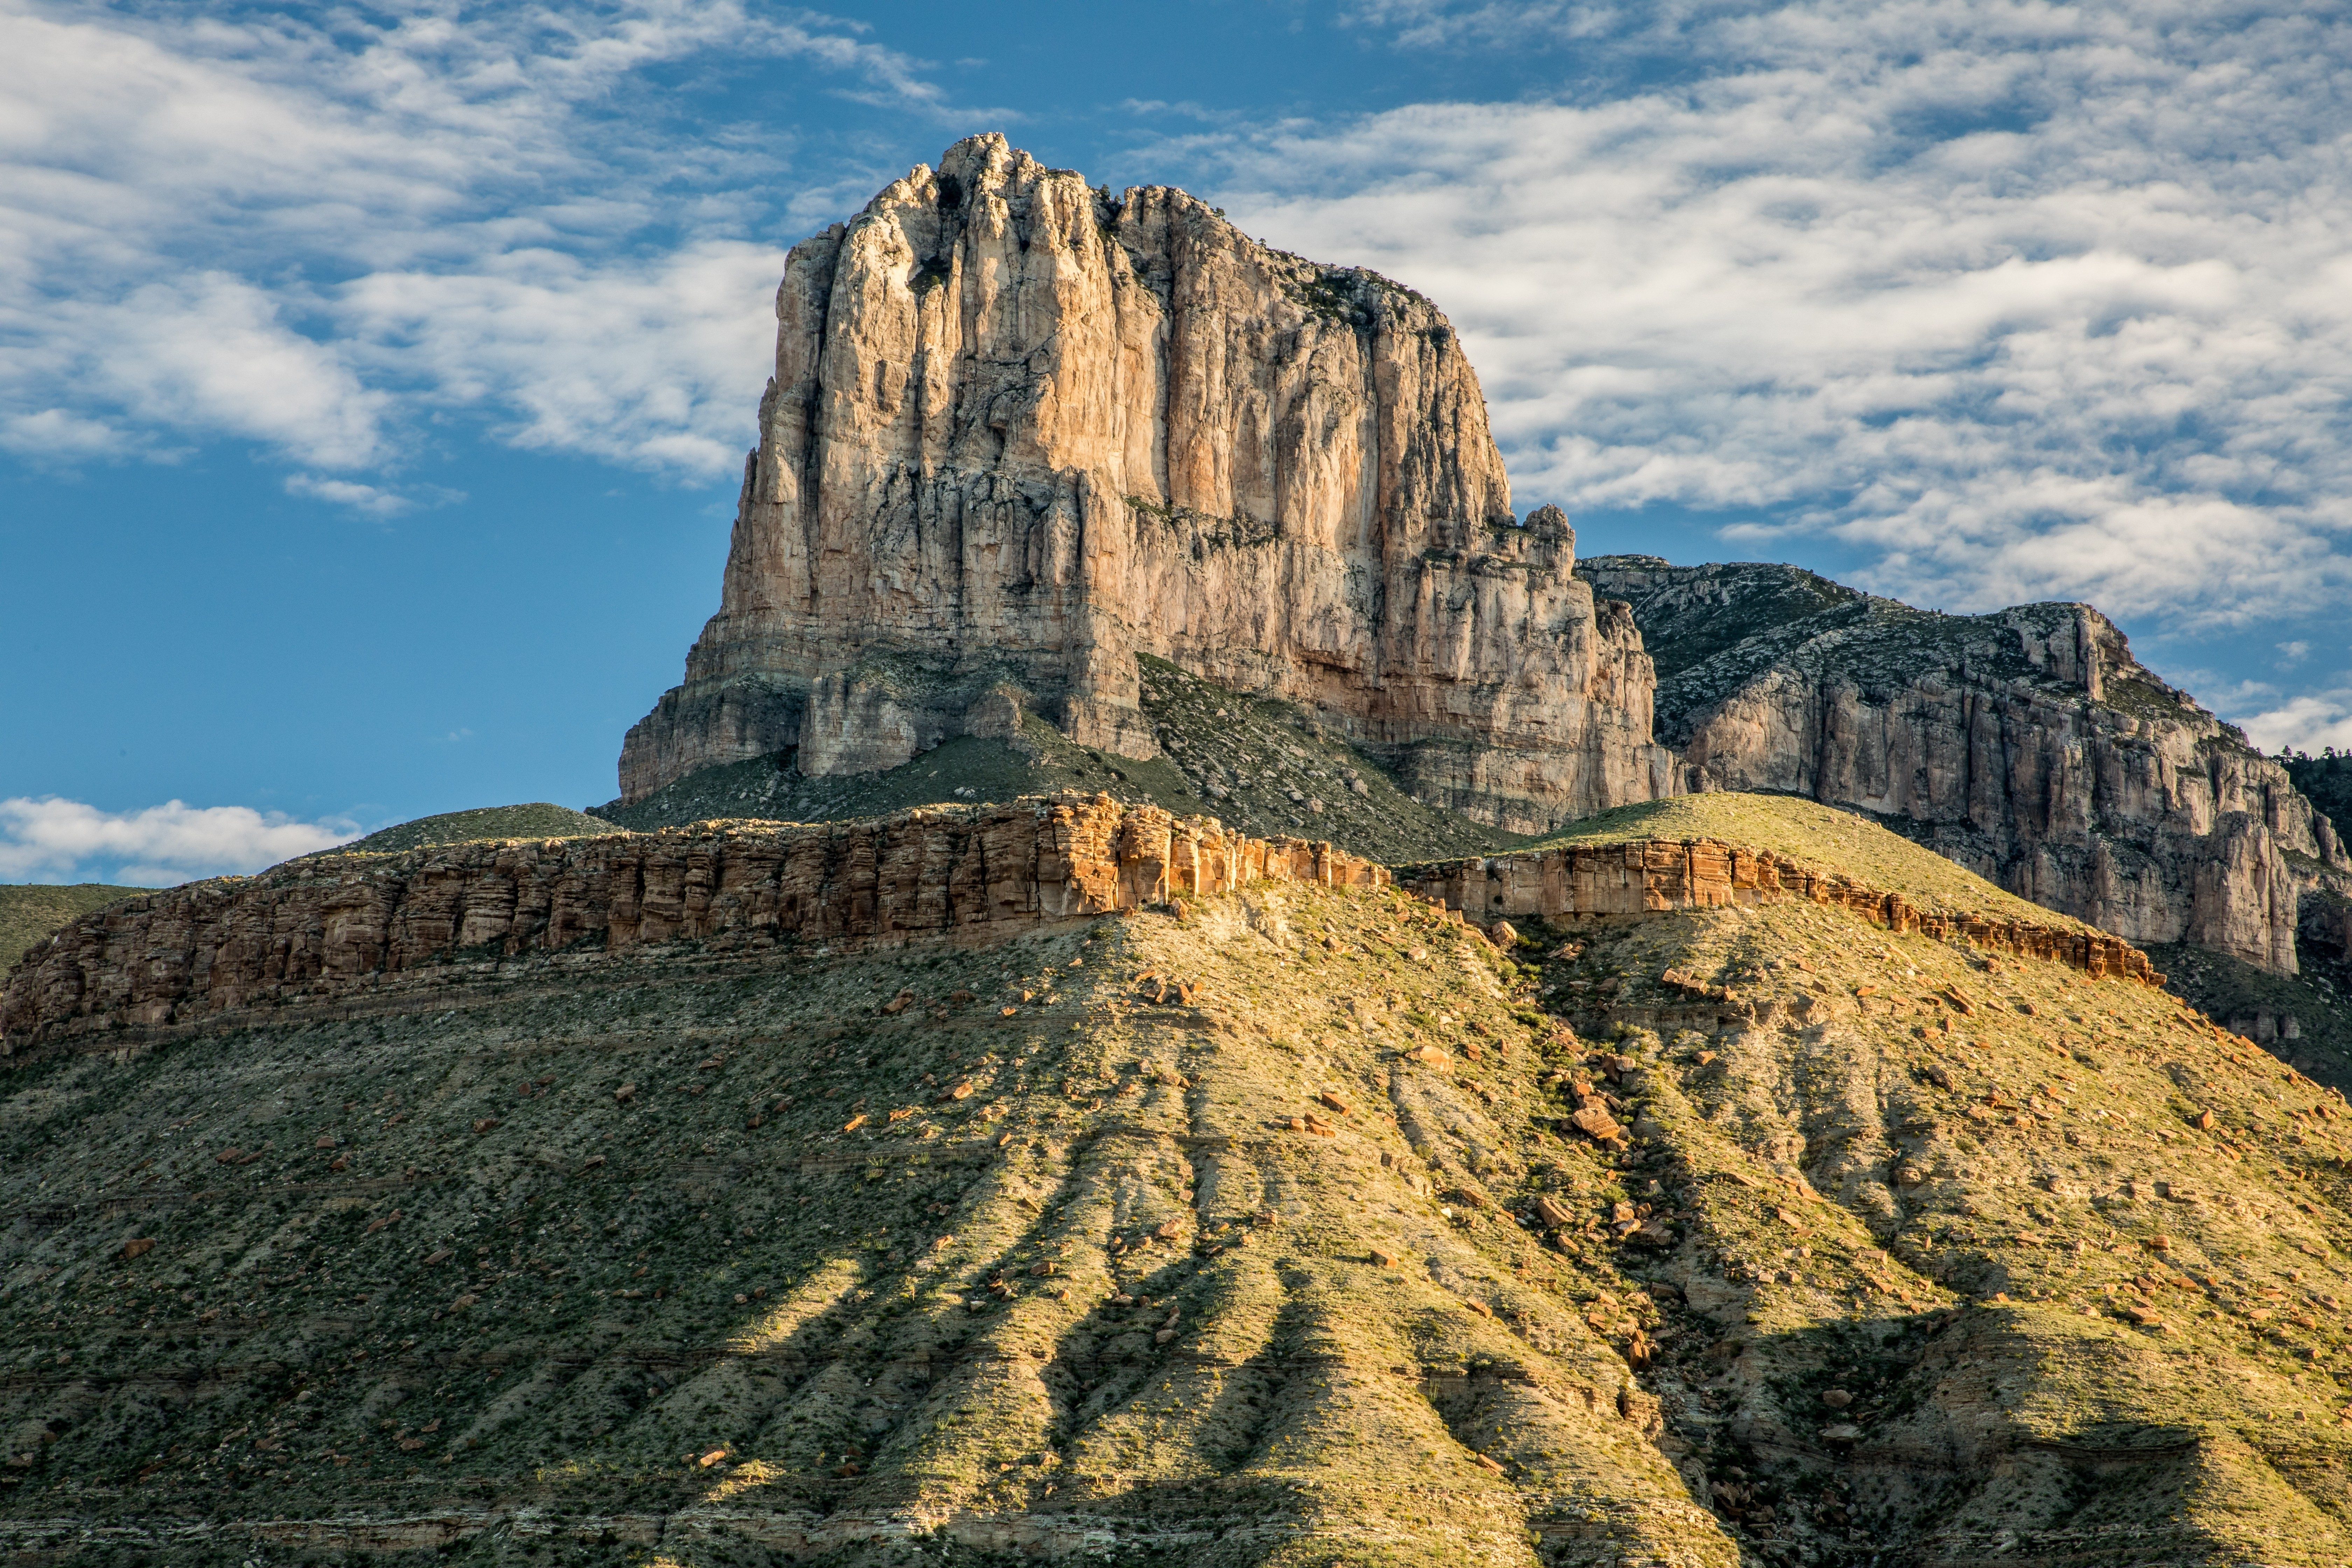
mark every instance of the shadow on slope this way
{"type": "Point", "coordinates": [2301, 1019]}
{"type": "Point", "coordinates": [1256, 763]}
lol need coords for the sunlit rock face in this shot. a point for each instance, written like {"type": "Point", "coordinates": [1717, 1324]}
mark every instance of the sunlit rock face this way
{"type": "Point", "coordinates": [2028, 744]}
{"type": "Point", "coordinates": [1021, 429]}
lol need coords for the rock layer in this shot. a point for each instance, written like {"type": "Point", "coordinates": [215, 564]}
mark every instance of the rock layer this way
{"type": "Point", "coordinates": [2028, 745]}
{"type": "Point", "coordinates": [334, 925]}
{"type": "Point", "coordinates": [1650, 876]}
{"type": "Point", "coordinates": [1020, 430]}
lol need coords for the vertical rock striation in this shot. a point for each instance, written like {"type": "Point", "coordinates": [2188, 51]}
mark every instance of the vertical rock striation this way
{"type": "Point", "coordinates": [1021, 430]}
{"type": "Point", "coordinates": [2028, 745]}
{"type": "Point", "coordinates": [333, 926]}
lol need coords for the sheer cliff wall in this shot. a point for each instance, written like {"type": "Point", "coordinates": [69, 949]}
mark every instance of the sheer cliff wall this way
{"type": "Point", "coordinates": [1021, 430]}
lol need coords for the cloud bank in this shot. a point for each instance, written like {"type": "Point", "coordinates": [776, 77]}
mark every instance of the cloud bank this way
{"type": "Point", "coordinates": [55, 840]}
{"type": "Point", "coordinates": [2018, 301]}
{"type": "Point", "coordinates": [314, 233]}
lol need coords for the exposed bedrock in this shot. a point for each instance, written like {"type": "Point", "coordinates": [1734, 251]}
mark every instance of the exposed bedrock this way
{"type": "Point", "coordinates": [1650, 876]}
{"type": "Point", "coordinates": [1021, 430]}
{"type": "Point", "coordinates": [340, 925]}
{"type": "Point", "coordinates": [2028, 746]}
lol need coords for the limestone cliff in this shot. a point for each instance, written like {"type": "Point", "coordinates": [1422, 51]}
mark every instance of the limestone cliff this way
{"type": "Point", "coordinates": [2028, 746]}
{"type": "Point", "coordinates": [1021, 430]}
{"type": "Point", "coordinates": [329, 928]}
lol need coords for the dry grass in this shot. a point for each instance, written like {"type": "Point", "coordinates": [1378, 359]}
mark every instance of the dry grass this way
{"type": "Point", "coordinates": [30, 911]}
{"type": "Point", "coordinates": [1910, 1279]}
{"type": "Point", "coordinates": [1817, 835]}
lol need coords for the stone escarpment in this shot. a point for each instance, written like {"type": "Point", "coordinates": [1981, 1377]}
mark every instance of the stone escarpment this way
{"type": "Point", "coordinates": [1021, 430]}
{"type": "Point", "coordinates": [1650, 876]}
{"type": "Point", "coordinates": [2028, 745]}
{"type": "Point", "coordinates": [333, 926]}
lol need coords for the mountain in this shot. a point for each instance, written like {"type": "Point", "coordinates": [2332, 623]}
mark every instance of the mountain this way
{"type": "Point", "coordinates": [987, 1182]}
{"type": "Point", "coordinates": [1265, 766]}
{"type": "Point", "coordinates": [1022, 432]}
{"type": "Point", "coordinates": [1034, 457]}
{"type": "Point", "coordinates": [2028, 745]}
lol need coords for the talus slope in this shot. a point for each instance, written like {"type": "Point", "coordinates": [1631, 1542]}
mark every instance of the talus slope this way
{"type": "Point", "coordinates": [1306, 1227]}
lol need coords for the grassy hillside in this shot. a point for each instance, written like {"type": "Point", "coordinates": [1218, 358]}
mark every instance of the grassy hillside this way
{"type": "Point", "coordinates": [537, 820]}
{"type": "Point", "coordinates": [1817, 835]}
{"type": "Point", "coordinates": [30, 911]}
{"type": "Point", "coordinates": [950, 1255]}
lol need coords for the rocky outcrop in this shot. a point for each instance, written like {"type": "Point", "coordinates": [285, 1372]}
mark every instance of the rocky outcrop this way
{"type": "Point", "coordinates": [334, 925]}
{"type": "Point", "coordinates": [2028, 745]}
{"type": "Point", "coordinates": [1021, 430]}
{"type": "Point", "coordinates": [1650, 876]}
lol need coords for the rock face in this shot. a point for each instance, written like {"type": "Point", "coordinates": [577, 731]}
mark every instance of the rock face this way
{"type": "Point", "coordinates": [1021, 430]}
{"type": "Point", "coordinates": [2028, 745]}
{"type": "Point", "coordinates": [1650, 876]}
{"type": "Point", "coordinates": [334, 926]}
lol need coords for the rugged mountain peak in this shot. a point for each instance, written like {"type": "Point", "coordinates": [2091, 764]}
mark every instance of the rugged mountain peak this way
{"type": "Point", "coordinates": [2027, 744]}
{"type": "Point", "coordinates": [1022, 430]}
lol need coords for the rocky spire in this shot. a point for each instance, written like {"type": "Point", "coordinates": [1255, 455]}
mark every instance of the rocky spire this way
{"type": "Point", "coordinates": [1021, 429]}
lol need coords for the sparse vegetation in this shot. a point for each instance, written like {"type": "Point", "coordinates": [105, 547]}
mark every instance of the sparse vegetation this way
{"type": "Point", "coordinates": [1259, 764]}
{"type": "Point", "coordinates": [30, 911]}
{"type": "Point", "coordinates": [1274, 1227]}
{"type": "Point", "coordinates": [538, 820]}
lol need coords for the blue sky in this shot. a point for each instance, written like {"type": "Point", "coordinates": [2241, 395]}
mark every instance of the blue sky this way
{"type": "Point", "coordinates": [374, 380]}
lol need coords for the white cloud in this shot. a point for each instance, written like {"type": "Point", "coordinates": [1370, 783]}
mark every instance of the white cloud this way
{"type": "Point", "coordinates": [54, 436]}
{"type": "Point", "coordinates": [313, 233]}
{"type": "Point", "coordinates": [360, 497]}
{"type": "Point", "coordinates": [210, 353]}
{"type": "Point", "coordinates": [2018, 301]}
{"type": "Point", "coordinates": [570, 349]}
{"type": "Point", "coordinates": [55, 840]}
{"type": "Point", "coordinates": [2310, 722]}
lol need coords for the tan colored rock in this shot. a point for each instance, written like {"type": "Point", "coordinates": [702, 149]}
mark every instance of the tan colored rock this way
{"type": "Point", "coordinates": [1646, 875]}
{"type": "Point", "coordinates": [1596, 1122]}
{"type": "Point", "coordinates": [337, 925]}
{"type": "Point", "coordinates": [1020, 430]}
{"type": "Point", "coordinates": [2029, 745]}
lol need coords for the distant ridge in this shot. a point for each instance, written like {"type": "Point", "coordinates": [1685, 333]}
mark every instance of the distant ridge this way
{"type": "Point", "coordinates": [539, 819]}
